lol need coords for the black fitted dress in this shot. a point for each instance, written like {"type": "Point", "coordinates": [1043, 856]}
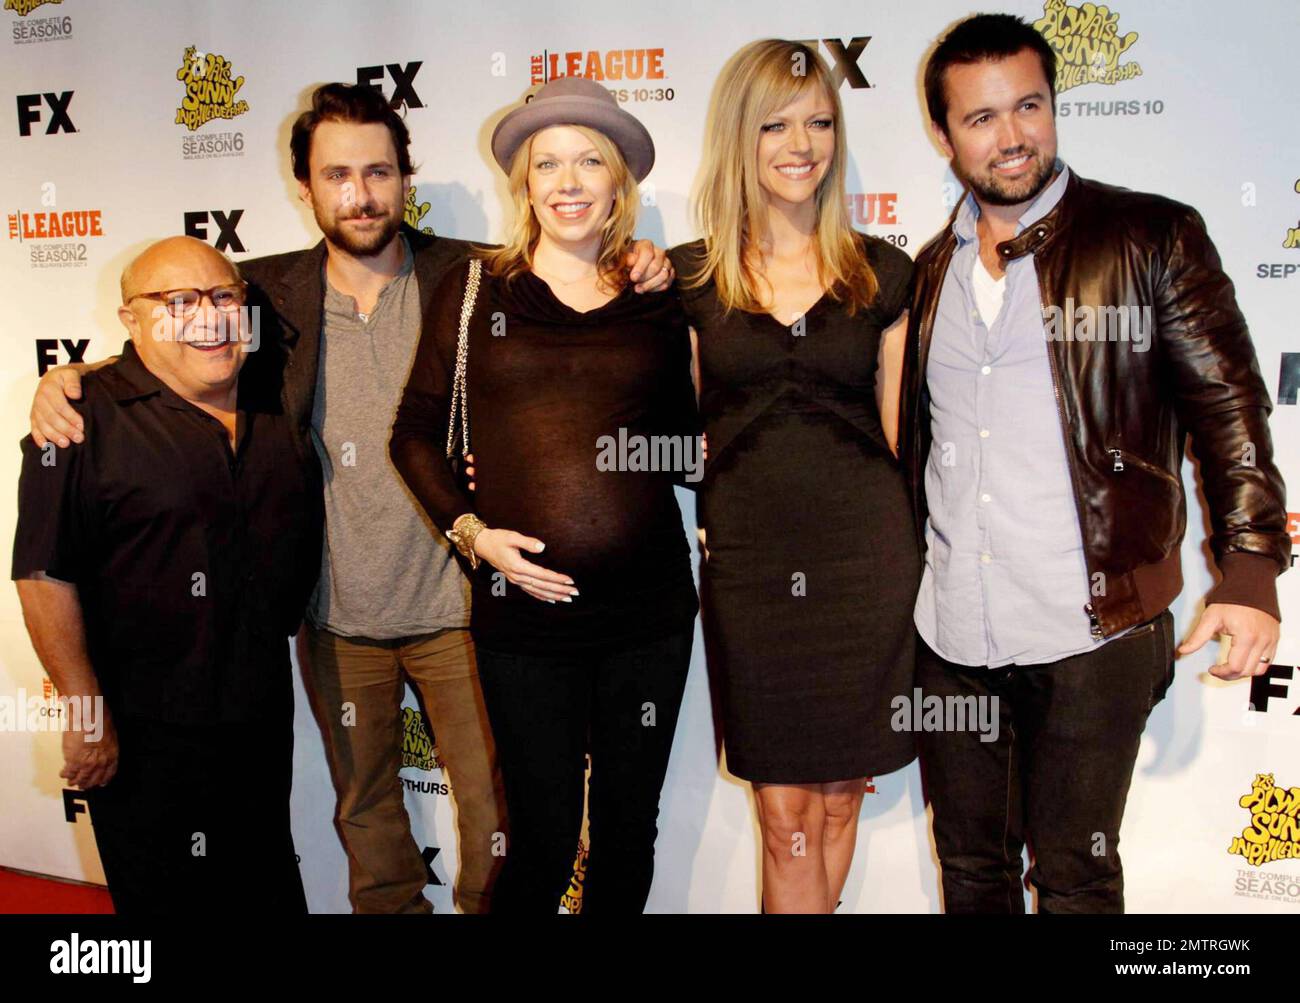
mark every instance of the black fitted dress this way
{"type": "Point", "coordinates": [813, 565]}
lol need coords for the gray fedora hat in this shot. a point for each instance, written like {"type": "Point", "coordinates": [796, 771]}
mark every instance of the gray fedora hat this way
{"type": "Point", "coordinates": [575, 101]}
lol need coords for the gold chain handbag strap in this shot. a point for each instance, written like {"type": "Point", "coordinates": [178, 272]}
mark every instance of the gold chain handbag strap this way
{"type": "Point", "coordinates": [459, 386]}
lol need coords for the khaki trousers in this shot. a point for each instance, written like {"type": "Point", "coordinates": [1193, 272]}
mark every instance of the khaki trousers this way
{"type": "Point", "coordinates": [356, 685]}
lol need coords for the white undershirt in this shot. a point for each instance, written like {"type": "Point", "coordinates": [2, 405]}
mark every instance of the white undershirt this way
{"type": "Point", "coordinates": [988, 292]}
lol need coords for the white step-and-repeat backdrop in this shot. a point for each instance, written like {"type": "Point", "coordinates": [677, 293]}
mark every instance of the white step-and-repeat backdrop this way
{"type": "Point", "coordinates": [107, 146]}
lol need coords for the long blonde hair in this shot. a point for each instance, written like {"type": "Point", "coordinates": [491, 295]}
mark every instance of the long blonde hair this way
{"type": "Point", "coordinates": [757, 81]}
{"type": "Point", "coordinates": [516, 256]}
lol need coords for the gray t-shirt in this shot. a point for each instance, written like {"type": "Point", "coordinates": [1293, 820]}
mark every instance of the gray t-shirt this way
{"type": "Point", "coordinates": [386, 572]}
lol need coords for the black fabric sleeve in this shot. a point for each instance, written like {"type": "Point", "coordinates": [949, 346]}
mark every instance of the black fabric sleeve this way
{"type": "Point", "coordinates": [418, 445]}
{"type": "Point", "coordinates": [895, 275]}
{"type": "Point", "coordinates": [683, 414]}
{"type": "Point", "coordinates": [55, 528]}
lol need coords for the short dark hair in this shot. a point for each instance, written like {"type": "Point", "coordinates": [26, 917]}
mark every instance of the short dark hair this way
{"type": "Point", "coordinates": [991, 37]}
{"type": "Point", "coordinates": [347, 103]}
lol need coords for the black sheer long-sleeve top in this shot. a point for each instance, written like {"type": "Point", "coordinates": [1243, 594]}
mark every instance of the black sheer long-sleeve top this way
{"type": "Point", "coordinates": [580, 424]}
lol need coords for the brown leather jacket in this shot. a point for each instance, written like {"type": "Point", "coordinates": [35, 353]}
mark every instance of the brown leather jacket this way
{"type": "Point", "coordinates": [1126, 414]}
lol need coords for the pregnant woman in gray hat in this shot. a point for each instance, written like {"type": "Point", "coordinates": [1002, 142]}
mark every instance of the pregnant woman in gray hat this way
{"type": "Point", "coordinates": [541, 356]}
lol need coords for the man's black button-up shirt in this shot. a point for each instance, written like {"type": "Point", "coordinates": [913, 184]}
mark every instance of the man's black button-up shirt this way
{"type": "Point", "coordinates": [193, 561]}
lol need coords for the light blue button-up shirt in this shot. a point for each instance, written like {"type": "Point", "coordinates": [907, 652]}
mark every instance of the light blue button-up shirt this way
{"type": "Point", "coordinates": [1005, 579]}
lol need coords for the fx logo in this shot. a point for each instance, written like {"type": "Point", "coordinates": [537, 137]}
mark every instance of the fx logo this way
{"type": "Point", "coordinates": [844, 59]}
{"type": "Point", "coordinates": [196, 225]}
{"type": "Point", "coordinates": [29, 113]}
{"type": "Point", "coordinates": [74, 804]}
{"type": "Point", "coordinates": [403, 82]}
{"type": "Point", "coordinates": [1272, 683]}
{"type": "Point", "coordinates": [429, 853]}
{"type": "Point", "coordinates": [47, 352]}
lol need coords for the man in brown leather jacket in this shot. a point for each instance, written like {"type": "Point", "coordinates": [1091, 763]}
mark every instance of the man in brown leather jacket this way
{"type": "Point", "coordinates": [1066, 337]}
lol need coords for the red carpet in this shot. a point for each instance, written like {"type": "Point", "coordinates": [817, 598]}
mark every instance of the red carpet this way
{"type": "Point", "coordinates": [26, 893]}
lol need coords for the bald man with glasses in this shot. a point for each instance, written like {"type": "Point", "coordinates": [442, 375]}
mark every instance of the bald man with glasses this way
{"type": "Point", "coordinates": [161, 564]}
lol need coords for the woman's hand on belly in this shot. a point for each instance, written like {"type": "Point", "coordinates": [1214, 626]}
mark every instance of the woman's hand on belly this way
{"type": "Point", "coordinates": [503, 549]}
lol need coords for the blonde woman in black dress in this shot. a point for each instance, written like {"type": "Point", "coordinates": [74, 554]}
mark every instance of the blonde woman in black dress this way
{"type": "Point", "coordinates": [811, 565]}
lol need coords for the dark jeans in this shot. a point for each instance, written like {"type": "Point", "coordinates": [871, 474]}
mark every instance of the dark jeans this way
{"type": "Point", "coordinates": [544, 711]}
{"type": "Point", "coordinates": [196, 820]}
{"type": "Point", "coordinates": [1058, 773]}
